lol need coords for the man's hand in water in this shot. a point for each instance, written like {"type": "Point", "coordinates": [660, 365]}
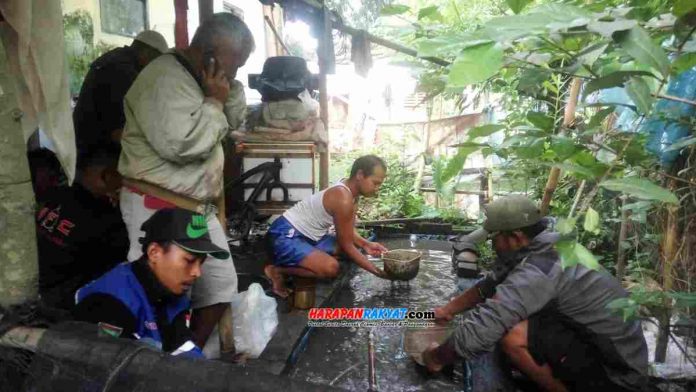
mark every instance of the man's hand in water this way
{"type": "Point", "coordinates": [430, 359]}
{"type": "Point", "coordinates": [378, 272]}
{"type": "Point", "coordinates": [374, 249]}
{"type": "Point", "coordinates": [443, 315]}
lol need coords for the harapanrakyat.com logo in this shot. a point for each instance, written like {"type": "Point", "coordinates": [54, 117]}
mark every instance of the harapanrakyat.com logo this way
{"type": "Point", "coordinates": [370, 317]}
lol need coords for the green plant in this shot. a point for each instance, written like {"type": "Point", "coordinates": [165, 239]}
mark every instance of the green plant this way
{"type": "Point", "coordinates": [534, 55]}
{"type": "Point", "coordinates": [531, 53]}
{"type": "Point", "coordinates": [78, 31]}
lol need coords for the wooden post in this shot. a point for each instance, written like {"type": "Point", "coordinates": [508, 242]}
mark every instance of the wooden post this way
{"type": "Point", "coordinates": [274, 39]}
{"type": "Point", "coordinates": [489, 178]}
{"type": "Point", "coordinates": [325, 39]}
{"type": "Point", "coordinates": [425, 150]}
{"type": "Point", "coordinates": [205, 10]}
{"type": "Point", "coordinates": [669, 254]}
{"type": "Point", "coordinates": [483, 196]}
{"type": "Point", "coordinates": [324, 156]}
{"type": "Point", "coordinates": [181, 39]}
{"type": "Point", "coordinates": [568, 118]}
{"type": "Point", "coordinates": [19, 269]}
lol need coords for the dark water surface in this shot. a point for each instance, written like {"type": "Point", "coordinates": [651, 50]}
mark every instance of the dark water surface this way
{"type": "Point", "coordinates": [338, 356]}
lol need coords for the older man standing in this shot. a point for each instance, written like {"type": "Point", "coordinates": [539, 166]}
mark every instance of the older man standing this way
{"type": "Point", "coordinates": [178, 111]}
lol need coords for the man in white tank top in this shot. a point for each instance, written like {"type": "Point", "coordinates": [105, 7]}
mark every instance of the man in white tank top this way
{"type": "Point", "coordinates": [302, 244]}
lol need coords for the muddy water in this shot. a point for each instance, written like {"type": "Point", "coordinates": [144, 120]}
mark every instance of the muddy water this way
{"type": "Point", "coordinates": [338, 356]}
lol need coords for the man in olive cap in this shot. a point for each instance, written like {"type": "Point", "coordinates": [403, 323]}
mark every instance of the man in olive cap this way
{"type": "Point", "coordinates": [146, 299]}
{"type": "Point", "coordinates": [552, 323]}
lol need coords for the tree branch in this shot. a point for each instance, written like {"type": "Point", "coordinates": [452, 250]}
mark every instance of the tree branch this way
{"type": "Point", "coordinates": [676, 99]}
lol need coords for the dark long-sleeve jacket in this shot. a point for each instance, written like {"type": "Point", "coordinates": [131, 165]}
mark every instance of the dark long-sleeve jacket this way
{"type": "Point", "coordinates": [535, 281]}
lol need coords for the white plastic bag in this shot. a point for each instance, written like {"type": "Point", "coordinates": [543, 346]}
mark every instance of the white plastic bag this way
{"type": "Point", "coordinates": [254, 320]}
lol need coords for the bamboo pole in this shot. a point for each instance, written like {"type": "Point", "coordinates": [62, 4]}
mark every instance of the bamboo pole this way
{"type": "Point", "coordinates": [578, 195]}
{"type": "Point", "coordinates": [274, 41]}
{"type": "Point", "coordinates": [18, 255]}
{"type": "Point", "coordinates": [489, 177]}
{"type": "Point", "coordinates": [568, 118]}
{"type": "Point", "coordinates": [669, 254]}
{"type": "Point", "coordinates": [550, 188]}
{"type": "Point", "coordinates": [324, 109]}
{"type": "Point", "coordinates": [623, 233]}
{"type": "Point", "coordinates": [279, 39]}
{"type": "Point", "coordinates": [425, 149]}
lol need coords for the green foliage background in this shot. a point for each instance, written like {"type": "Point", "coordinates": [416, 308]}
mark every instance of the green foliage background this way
{"type": "Point", "coordinates": [78, 30]}
{"type": "Point", "coordinates": [527, 53]}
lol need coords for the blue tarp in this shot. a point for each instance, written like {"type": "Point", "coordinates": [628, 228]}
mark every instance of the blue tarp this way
{"type": "Point", "coordinates": [667, 123]}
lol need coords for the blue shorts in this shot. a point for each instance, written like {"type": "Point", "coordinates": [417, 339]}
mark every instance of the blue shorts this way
{"type": "Point", "coordinates": [290, 246]}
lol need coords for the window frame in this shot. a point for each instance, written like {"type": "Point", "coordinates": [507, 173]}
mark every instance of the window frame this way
{"type": "Point", "coordinates": [146, 19]}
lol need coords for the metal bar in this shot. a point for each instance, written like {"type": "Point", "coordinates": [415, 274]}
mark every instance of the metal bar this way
{"type": "Point", "coordinates": [279, 154]}
{"type": "Point", "coordinates": [394, 221]}
{"type": "Point", "coordinates": [458, 192]}
{"type": "Point", "coordinates": [371, 375]}
{"type": "Point", "coordinates": [287, 145]}
{"type": "Point", "coordinates": [306, 185]}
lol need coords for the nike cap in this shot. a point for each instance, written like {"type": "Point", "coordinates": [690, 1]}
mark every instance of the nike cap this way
{"type": "Point", "coordinates": [185, 228]}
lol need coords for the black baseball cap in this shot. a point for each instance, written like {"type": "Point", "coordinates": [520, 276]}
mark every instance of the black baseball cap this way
{"type": "Point", "coordinates": [184, 228]}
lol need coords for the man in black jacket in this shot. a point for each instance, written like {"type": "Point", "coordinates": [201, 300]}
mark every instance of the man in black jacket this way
{"type": "Point", "coordinates": [98, 115]}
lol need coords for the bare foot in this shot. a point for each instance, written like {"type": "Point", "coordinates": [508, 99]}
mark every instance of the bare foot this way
{"type": "Point", "coordinates": [277, 278]}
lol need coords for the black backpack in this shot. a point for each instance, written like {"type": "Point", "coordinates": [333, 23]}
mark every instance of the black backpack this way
{"type": "Point", "coordinates": [283, 77]}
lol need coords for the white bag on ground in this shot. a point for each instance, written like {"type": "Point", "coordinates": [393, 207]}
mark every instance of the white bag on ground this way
{"type": "Point", "coordinates": [254, 320]}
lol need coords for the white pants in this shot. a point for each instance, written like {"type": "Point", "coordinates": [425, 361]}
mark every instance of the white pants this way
{"type": "Point", "coordinates": [218, 281]}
